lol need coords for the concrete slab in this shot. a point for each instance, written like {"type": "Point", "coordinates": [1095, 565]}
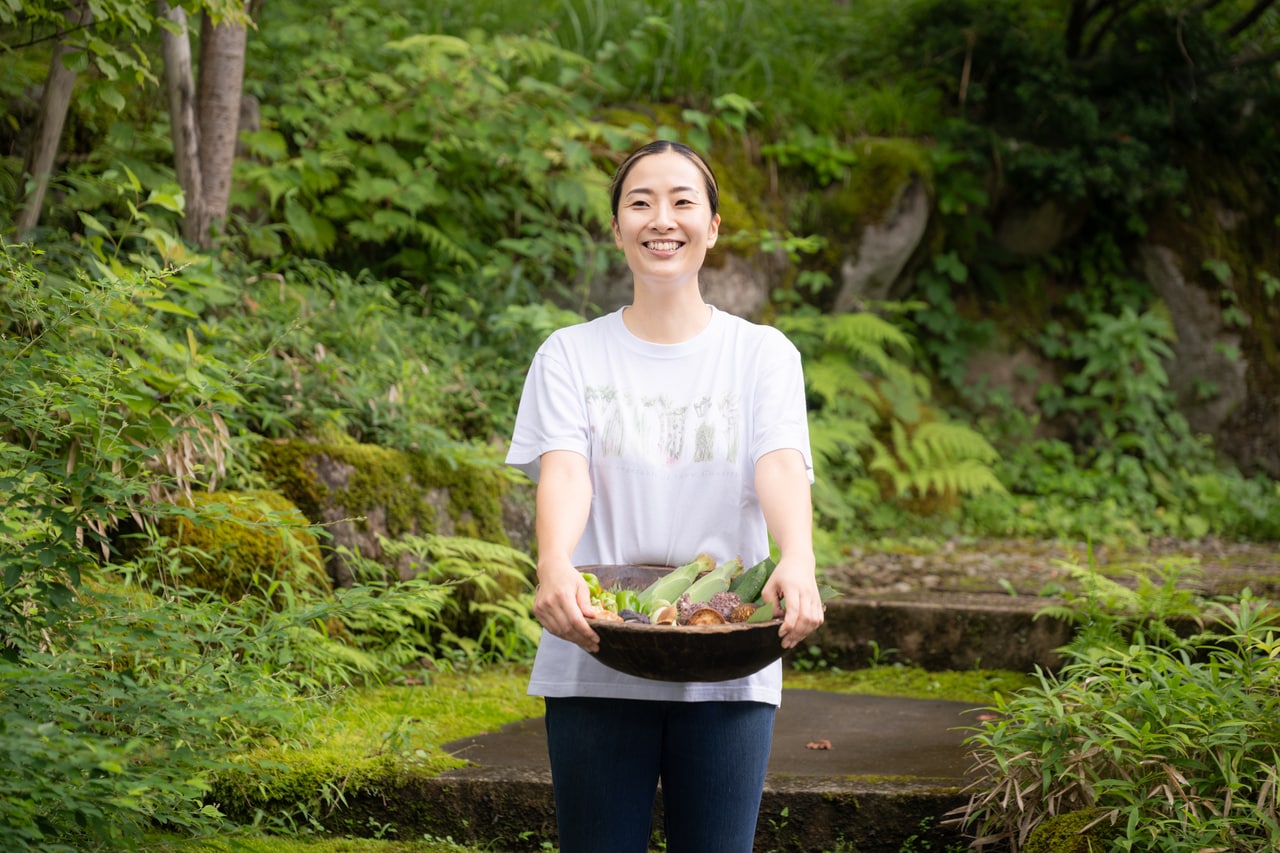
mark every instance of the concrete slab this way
{"type": "Point", "coordinates": [871, 736]}
{"type": "Point", "coordinates": [894, 769]}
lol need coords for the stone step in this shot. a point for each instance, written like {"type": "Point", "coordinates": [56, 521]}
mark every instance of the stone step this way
{"type": "Point", "coordinates": [942, 632]}
{"type": "Point", "coordinates": [865, 772]}
{"type": "Point", "coordinates": [894, 768]}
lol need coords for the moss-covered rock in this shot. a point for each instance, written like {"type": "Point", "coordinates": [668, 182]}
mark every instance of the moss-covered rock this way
{"type": "Point", "coordinates": [362, 494]}
{"type": "Point", "coordinates": [233, 542]}
{"type": "Point", "coordinates": [1067, 833]}
{"type": "Point", "coordinates": [883, 168]}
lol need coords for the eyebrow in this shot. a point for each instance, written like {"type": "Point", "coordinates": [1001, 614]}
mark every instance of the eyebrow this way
{"type": "Point", "coordinates": [674, 191]}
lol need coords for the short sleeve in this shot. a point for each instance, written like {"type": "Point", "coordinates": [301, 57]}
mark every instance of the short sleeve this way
{"type": "Point", "coordinates": [552, 413]}
{"type": "Point", "coordinates": [781, 408]}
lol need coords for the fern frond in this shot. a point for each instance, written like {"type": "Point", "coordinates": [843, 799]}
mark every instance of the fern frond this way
{"type": "Point", "coordinates": [839, 440]}
{"type": "Point", "coordinates": [834, 378]}
{"type": "Point", "coordinates": [938, 458]}
{"type": "Point", "coordinates": [867, 335]}
{"type": "Point", "coordinates": [442, 244]}
{"type": "Point", "coordinates": [953, 441]}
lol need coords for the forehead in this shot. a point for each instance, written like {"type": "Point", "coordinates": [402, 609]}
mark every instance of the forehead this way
{"type": "Point", "coordinates": [664, 171]}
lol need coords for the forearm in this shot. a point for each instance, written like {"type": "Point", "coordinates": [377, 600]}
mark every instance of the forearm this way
{"type": "Point", "coordinates": [562, 601]}
{"type": "Point", "coordinates": [782, 483]}
{"type": "Point", "coordinates": [562, 505]}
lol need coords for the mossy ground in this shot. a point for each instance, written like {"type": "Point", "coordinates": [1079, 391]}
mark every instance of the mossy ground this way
{"type": "Point", "coordinates": [369, 734]}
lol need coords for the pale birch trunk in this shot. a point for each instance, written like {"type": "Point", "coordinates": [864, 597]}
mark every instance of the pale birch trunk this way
{"type": "Point", "coordinates": [205, 118]}
{"type": "Point", "coordinates": [179, 82]}
{"type": "Point", "coordinates": [222, 55]}
{"type": "Point", "coordinates": [43, 153]}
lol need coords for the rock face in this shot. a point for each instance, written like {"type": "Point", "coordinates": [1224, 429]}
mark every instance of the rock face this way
{"type": "Point", "coordinates": [1036, 231]}
{"type": "Point", "coordinates": [363, 494]}
{"type": "Point", "coordinates": [1200, 348]}
{"type": "Point", "coordinates": [871, 269]}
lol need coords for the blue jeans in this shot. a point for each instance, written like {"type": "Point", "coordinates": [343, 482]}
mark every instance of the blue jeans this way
{"type": "Point", "coordinates": [607, 756]}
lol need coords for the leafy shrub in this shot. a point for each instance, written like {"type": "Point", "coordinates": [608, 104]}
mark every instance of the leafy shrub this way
{"type": "Point", "coordinates": [464, 166]}
{"type": "Point", "coordinates": [873, 430]}
{"type": "Point", "coordinates": [487, 616]}
{"type": "Point", "coordinates": [122, 694]}
{"type": "Point", "coordinates": [1133, 469]}
{"type": "Point", "coordinates": [1167, 735]}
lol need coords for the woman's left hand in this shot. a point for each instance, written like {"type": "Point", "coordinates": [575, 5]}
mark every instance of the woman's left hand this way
{"type": "Point", "coordinates": [793, 588]}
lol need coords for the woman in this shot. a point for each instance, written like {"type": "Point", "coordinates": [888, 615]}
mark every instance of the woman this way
{"type": "Point", "coordinates": [663, 430]}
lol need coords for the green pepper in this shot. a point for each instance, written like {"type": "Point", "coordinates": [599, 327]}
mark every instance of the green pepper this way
{"type": "Point", "coordinates": [593, 583]}
{"type": "Point", "coordinates": [627, 599]}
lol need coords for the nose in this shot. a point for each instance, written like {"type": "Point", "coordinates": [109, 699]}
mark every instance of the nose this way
{"type": "Point", "coordinates": [663, 216]}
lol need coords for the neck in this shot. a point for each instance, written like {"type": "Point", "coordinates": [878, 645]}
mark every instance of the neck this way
{"type": "Point", "coordinates": [669, 319]}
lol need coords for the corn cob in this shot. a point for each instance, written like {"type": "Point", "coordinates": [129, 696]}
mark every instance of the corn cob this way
{"type": "Point", "coordinates": [673, 583]}
{"type": "Point", "coordinates": [716, 580]}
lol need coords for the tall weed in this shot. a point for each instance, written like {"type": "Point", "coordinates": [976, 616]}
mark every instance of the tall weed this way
{"type": "Point", "coordinates": [1163, 730]}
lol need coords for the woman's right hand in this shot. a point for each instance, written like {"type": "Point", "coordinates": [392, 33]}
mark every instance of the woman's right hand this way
{"type": "Point", "coordinates": [562, 604]}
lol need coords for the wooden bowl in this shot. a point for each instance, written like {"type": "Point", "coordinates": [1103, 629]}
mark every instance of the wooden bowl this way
{"type": "Point", "coordinates": [680, 652]}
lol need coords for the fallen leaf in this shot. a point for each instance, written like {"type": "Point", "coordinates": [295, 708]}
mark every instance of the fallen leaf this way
{"type": "Point", "coordinates": [818, 744]}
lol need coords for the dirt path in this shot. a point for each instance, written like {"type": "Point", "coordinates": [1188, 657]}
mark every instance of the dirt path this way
{"type": "Point", "coordinates": [1033, 567]}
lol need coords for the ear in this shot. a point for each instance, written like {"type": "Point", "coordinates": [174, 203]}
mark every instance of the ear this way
{"type": "Point", "coordinates": [617, 234]}
{"type": "Point", "coordinates": [713, 231]}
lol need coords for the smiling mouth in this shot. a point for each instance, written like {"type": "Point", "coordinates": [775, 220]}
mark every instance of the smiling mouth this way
{"type": "Point", "coordinates": [663, 245]}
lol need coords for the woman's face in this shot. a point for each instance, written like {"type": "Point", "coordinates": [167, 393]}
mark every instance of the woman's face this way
{"type": "Point", "coordinates": [664, 224]}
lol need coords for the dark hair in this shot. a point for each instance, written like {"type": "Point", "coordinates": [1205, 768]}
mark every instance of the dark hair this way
{"type": "Point", "coordinates": [661, 146]}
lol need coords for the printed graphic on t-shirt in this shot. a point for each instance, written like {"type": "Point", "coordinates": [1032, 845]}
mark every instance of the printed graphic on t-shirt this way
{"type": "Point", "coordinates": [657, 429]}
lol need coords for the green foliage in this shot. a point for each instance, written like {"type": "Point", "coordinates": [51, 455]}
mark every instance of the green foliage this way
{"type": "Point", "coordinates": [346, 358]}
{"type": "Point", "coordinates": [1167, 736]}
{"type": "Point", "coordinates": [465, 165]}
{"type": "Point", "coordinates": [122, 698]}
{"type": "Point", "coordinates": [795, 58]}
{"type": "Point", "coordinates": [489, 617]}
{"type": "Point", "coordinates": [1134, 468]}
{"type": "Point", "coordinates": [102, 412]}
{"type": "Point", "coordinates": [873, 431]}
{"type": "Point", "coordinates": [102, 47]}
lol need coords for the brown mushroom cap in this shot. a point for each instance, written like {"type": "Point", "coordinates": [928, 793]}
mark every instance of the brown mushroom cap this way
{"type": "Point", "coordinates": [706, 616]}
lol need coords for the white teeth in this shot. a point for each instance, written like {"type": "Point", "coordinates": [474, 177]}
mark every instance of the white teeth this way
{"type": "Point", "coordinates": [664, 247]}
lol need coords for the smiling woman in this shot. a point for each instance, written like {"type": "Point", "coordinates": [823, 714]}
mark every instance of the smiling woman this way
{"type": "Point", "coordinates": [665, 218]}
{"type": "Point", "coordinates": [663, 430]}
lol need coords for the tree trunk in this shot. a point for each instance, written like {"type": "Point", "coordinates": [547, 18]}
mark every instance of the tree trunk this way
{"type": "Point", "coordinates": [48, 130]}
{"type": "Point", "coordinates": [222, 55]}
{"type": "Point", "coordinates": [205, 117]}
{"type": "Point", "coordinates": [179, 81]}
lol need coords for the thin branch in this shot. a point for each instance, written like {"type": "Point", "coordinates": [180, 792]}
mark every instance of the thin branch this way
{"type": "Point", "coordinates": [57, 35]}
{"type": "Point", "coordinates": [1082, 12]}
{"type": "Point", "coordinates": [1248, 19]}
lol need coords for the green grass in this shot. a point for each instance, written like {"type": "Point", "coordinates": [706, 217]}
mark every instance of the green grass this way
{"type": "Point", "coordinates": [978, 686]}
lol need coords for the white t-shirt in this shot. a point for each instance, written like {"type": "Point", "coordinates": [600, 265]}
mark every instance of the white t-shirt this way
{"type": "Point", "coordinates": [671, 433]}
